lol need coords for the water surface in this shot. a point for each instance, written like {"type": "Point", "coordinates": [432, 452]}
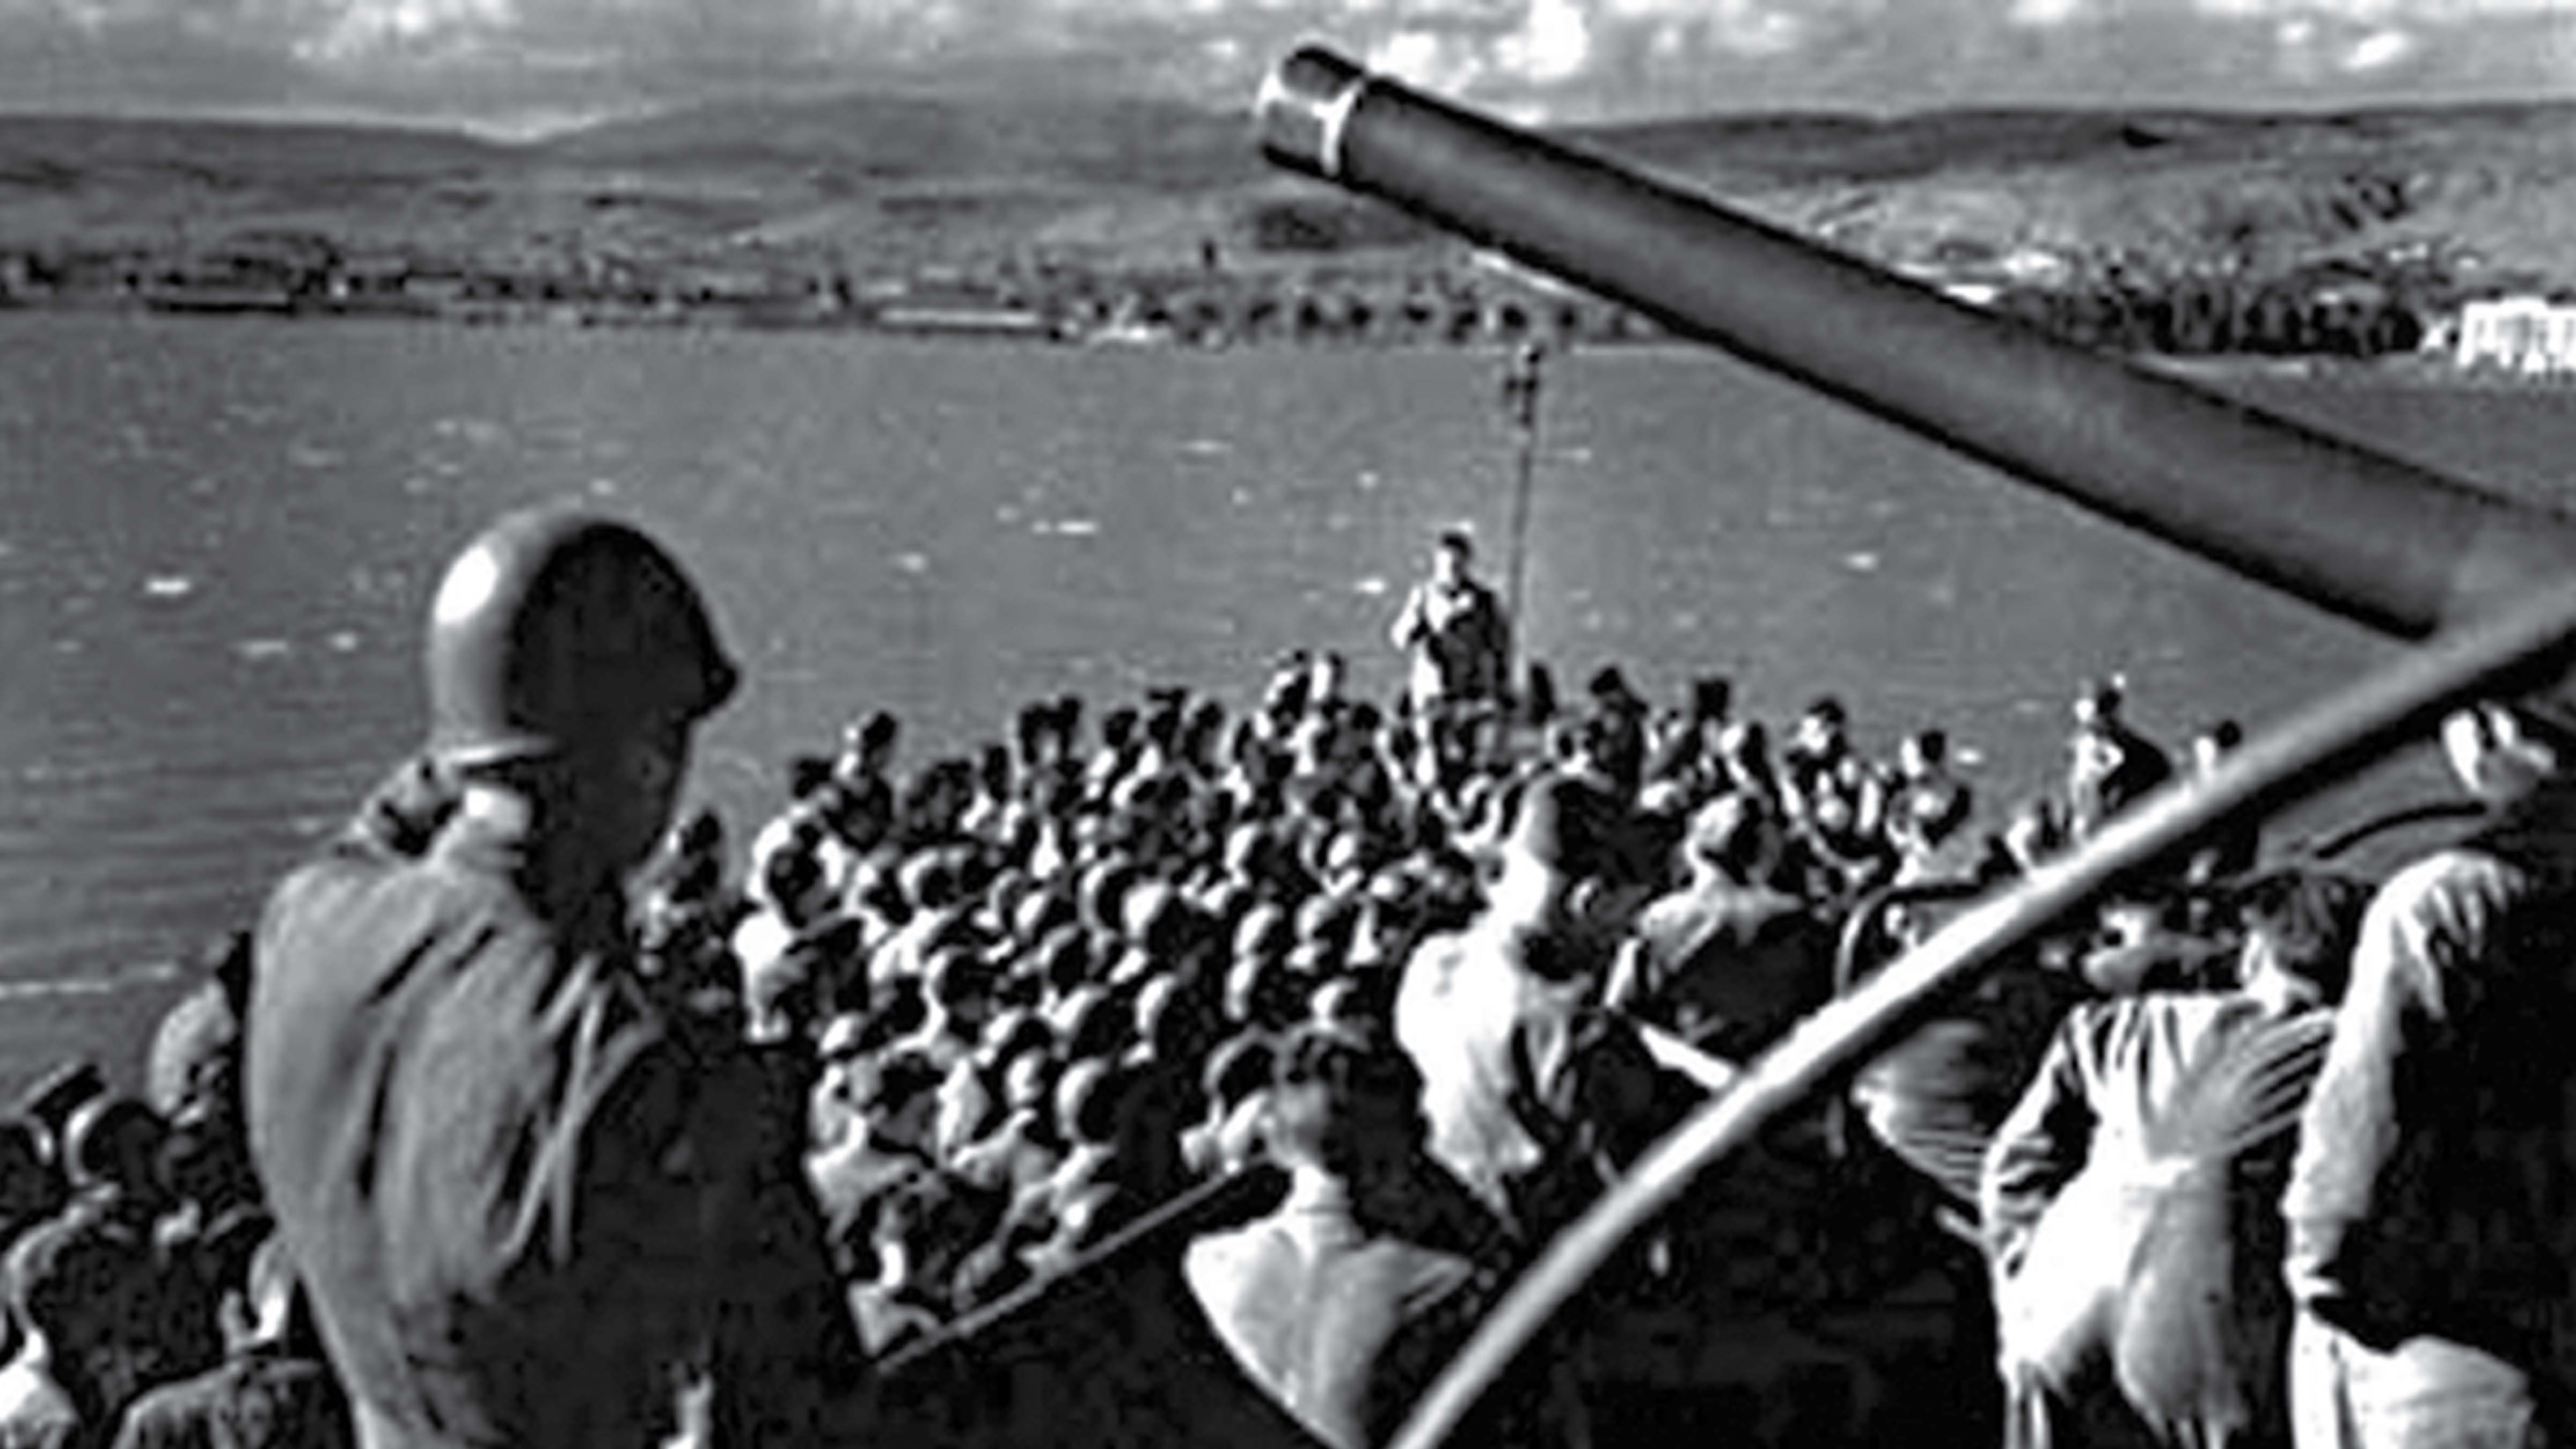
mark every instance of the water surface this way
{"type": "Point", "coordinates": [219, 536]}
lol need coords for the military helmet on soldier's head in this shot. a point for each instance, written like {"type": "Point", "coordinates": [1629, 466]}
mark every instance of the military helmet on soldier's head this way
{"type": "Point", "coordinates": [557, 629]}
{"type": "Point", "coordinates": [115, 1140]}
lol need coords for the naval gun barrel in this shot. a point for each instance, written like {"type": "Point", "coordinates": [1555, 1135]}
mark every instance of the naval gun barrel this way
{"type": "Point", "coordinates": [2393, 546]}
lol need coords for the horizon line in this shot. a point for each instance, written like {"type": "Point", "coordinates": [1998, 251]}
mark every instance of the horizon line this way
{"type": "Point", "coordinates": [537, 129]}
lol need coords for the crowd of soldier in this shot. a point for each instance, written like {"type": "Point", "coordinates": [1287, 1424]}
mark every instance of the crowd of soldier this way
{"type": "Point", "coordinates": [1451, 964]}
{"type": "Point", "coordinates": [1045, 990]}
{"type": "Point", "coordinates": [147, 1303]}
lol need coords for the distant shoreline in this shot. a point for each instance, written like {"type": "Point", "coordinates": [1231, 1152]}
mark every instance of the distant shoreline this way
{"type": "Point", "coordinates": [2414, 370]}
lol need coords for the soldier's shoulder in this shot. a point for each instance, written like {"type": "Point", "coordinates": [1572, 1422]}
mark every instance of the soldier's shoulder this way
{"type": "Point", "coordinates": [336, 882]}
{"type": "Point", "coordinates": [1216, 1264]}
{"type": "Point", "coordinates": [343, 916]}
{"type": "Point", "coordinates": [326, 879]}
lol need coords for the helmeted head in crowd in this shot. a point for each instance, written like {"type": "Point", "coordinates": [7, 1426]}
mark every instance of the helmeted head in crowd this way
{"type": "Point", "coordinates": [2216, 743]}
{"type": "Point", "coordinates": [1922, 753]}
{"type": "Point", "coordinates": [901, 1102]}
{"type": "Point", "coordinates": [1324, 682]}
{"type": "Point", "coordinates": [1821, 731]}
{"type": "Point", "coordinates": [2098, 702]}
{"type": "Point", "coordinates": [114, 1142]}
{"type": "Point", "coordinates": [569, 659]}
{"type": "Point", "coordinates": [31, 1187]}
{"type": "Point", "coordinates": [867, 747]}
{"type": "Point", "coordinates": [1712, 700]}
{"type": "Point", "coordinates": [959, 987]}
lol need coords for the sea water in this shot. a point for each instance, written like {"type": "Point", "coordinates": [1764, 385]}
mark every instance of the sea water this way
{"type": "Point", "coordinates": [217, 541]}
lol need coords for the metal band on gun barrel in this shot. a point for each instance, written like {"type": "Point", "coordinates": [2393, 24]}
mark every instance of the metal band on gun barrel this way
{"type": "Point", "coordinates": [1305, 107]}
{"type": "Point", "coordinates": [2378, 540]}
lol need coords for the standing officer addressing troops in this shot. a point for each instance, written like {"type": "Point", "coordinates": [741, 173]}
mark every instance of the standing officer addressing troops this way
{"type": "Point", "coordinates": [528, 1200]}
{"type": "Point", "coordinates": [1460, 640]}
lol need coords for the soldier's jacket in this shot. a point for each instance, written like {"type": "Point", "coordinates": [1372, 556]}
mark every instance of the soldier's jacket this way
{"type": "Point", "coordinates": [1731, 966]}
{"type": "Point", "coordinates": [1344, 1327]}
{"type": "Point", "coordinates": [2433, 1203]}
{"type": "Point", "coordinates": [2129, 1201]}
{"type": "Point", "coordinates": [1534, 1096]}
{"type": "Point", "coordinates": [520, 1194]}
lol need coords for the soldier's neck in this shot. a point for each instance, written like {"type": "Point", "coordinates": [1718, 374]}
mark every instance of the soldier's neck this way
{"type": "Point", "coordinates": [554, 865]}
{"type": "Point", "coordinates": [1312, 1189]}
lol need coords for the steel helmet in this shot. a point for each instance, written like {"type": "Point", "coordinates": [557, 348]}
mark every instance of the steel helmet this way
{"type": "Point", "coordinates": [112, 1139]}
{"type": "Point", "coordinates": [556, 627]}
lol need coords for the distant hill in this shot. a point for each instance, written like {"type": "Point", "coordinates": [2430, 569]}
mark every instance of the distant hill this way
{"type": "Point", "coordinates": [2176, 188]}
{"type": "Point", "coordinates": [890, 181]}
{"type": "Point", "coordinates": [851, 140]}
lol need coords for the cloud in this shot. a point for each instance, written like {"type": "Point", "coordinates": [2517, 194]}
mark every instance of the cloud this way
{"type": "Point", "coordinates": [2379, 50]}
{"type": "Point", "coordinates": [503, 61]}
{"type": "Point", "coordinates": [372, 29]}
{"type": "Point", "coordinates": [1552, 44]}
{"type": "Point", "coordinates": [1431, 59]}
{"type": "Point", "coordinates": [2044, 12]}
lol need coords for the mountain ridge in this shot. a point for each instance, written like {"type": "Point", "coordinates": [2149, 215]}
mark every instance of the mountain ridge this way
{"type": "Point", "coordinates": [893, 180]}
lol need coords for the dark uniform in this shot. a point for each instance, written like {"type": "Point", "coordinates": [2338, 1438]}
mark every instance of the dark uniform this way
{"type": "Point", "coordinates": [527, 1201]}
{"type": "Point", "coordinates": [494, 1157]}
{"type": "Point", "coordinates": [1729, 964]}
{"type": "Point", "coordinates": [2432, 1208]}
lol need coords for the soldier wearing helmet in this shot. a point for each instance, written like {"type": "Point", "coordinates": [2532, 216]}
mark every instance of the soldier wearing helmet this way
{"type": "Point", "coordinates": [526, 1198]}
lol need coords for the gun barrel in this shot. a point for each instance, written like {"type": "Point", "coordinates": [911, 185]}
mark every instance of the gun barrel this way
{"type": "Point", "coordinates": [2384, 542]}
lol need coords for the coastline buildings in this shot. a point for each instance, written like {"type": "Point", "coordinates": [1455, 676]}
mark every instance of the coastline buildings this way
{"type": "Point", "coordinates": [2532, 336]}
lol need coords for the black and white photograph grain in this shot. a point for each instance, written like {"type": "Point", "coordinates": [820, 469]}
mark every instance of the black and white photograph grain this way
{"type": "Point", "coordinates": [1287, 724]}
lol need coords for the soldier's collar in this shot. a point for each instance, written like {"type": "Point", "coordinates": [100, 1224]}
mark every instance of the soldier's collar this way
{"type": "Point", "coordinates": [1313, 1190]}
{"type": "Point", "coordinates": [504, 843]}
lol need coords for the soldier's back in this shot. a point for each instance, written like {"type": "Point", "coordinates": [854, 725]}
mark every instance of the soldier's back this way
{"type": "Point", "coordinates": [456, 1106]}
{"type": "Point", "coordinates": [1345, 1329]}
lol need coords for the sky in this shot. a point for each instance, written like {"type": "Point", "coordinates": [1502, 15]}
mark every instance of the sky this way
{"type": "Point", "coordinates": [520, 66]}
